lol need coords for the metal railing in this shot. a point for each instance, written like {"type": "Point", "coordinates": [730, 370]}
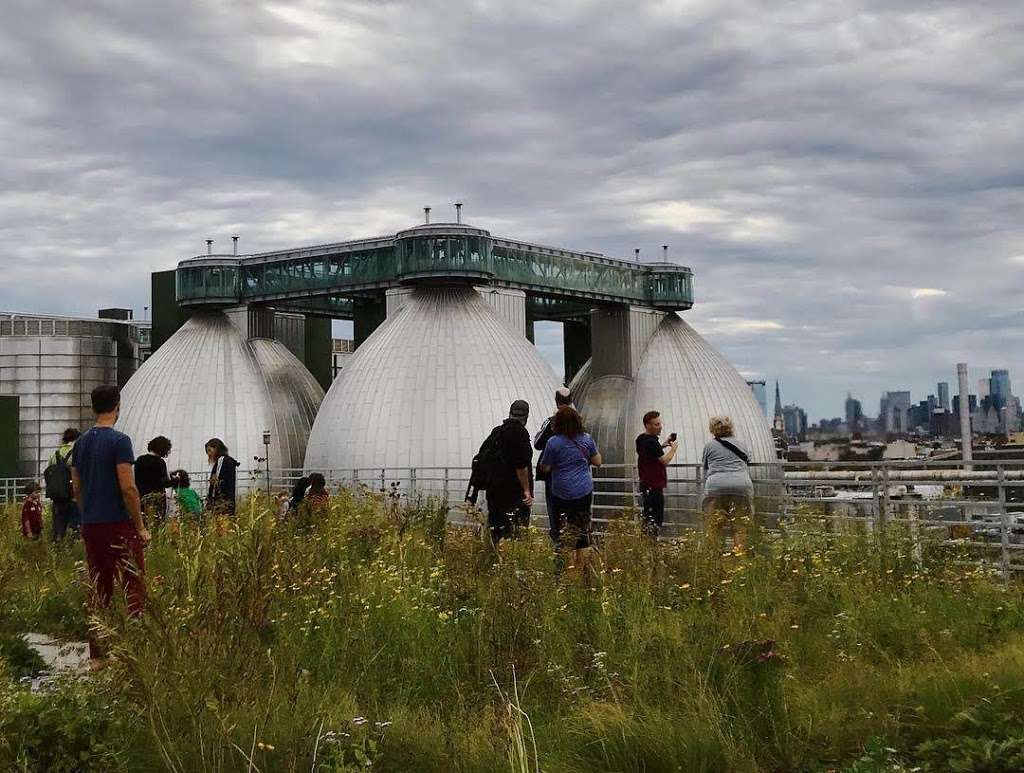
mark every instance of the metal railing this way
{"type": "Point", "coordinates": [13, 489]}
{"type": "Point", "coordinates": [979, 505]}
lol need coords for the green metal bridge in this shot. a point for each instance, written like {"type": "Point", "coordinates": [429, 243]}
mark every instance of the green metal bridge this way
{"type": "Point", "coordinates": [332, 279]}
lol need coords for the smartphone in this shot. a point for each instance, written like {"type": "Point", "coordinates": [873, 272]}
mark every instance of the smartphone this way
{"type": "Point", "coordinates": [672, 438]}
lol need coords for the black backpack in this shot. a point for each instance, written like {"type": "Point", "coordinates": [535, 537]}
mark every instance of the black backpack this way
{"type": "Point", "coordinates": [58, 480]}
{"type": "Point", "coordinates": [488, 467]}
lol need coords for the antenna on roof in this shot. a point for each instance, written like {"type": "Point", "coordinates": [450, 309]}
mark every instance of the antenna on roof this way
{"type": "Point", "coordinates": [209, 246]}
{"type": "Point", "coordinates": [234, 245]}
{"type": "Point", "coordinates": [664, 252]}
{"type": "Point", "coordinates": [426, 214]}
{"type": "Point", "coordinates": [636, 254]}
{"type": "Point", "coordinates": [458, 212]}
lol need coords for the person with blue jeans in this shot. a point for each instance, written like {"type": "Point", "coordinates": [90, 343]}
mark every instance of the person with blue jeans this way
{"type": "Point", "coordinates": [562, 397]}
{"type": "Point", "coordinates": [567, 459]}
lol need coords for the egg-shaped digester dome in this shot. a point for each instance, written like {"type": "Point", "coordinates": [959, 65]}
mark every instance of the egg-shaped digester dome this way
{"type": "Point", "coordinates": [428, 385]}
{"type": "Point", "coordinates": [681, 376]}
{"type": "Point", "coordinates": [688, 381]}
{"type": "Point", "coordinates": [208, 380]}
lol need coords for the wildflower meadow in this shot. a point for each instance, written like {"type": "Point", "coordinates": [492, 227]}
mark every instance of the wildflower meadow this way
{"type": "Point", "coordinates": [372, 634]}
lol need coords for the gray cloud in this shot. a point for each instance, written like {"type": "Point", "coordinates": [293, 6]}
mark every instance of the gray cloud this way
{"type": "Point", "coordinates": [819, 165]}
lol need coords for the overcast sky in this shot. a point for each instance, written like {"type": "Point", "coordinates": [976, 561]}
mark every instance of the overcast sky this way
{"type": "Point", "coordinates": [846, 179]}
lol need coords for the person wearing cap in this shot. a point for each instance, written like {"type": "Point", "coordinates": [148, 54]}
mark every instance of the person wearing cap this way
{"type": "Point", "coordinates": [562, 397]}
{"type": "Point", "coordinates": [510, 498]}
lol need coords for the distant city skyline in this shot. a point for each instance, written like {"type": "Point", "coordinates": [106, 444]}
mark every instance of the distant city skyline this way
{"type": "Point", "coordinates": [870, 400]}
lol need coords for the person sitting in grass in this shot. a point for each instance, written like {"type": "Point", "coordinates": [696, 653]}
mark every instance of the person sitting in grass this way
{"type": "Point", "coordinates": [313, 506]}
{"type": "Point", "coordinates": [32, 511]}
{"type": "Point", "coordinates": [186, 500]}
{"type": "Point", "coordinates": [317, 493]}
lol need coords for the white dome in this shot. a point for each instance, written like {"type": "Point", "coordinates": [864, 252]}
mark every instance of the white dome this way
{"type": "Point", "coordinates": [428, 385]}
{"type": "Point", "coordinates": [687, 381]}
{"type": "Point", "coordinates": [682, 376]}
{"type": "Point", "coordinates": [207, 381]}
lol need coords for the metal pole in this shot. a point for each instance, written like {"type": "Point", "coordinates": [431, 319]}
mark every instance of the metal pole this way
{"type": "Point", "coordinates": [266, 458]}
{"type": "Point", "coordinates": [965, 414]}
{"type": "Point", "coordinates": [883, 515]}
{"type": "Point", "coordinates": [1004, 522]}
{"type": "Point", "coordinates": [915, 533]}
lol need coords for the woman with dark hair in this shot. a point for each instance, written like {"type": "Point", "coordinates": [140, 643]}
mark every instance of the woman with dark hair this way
{"type": "Point", "coordinates": [151, 478]}
{"type": "Point", "coordinates": [568, 457]}
{"type": "Point", "coordinates": [65, 509]}
{"type": "Point", "coordinates": [317, 493]}
{"type": "Point", "coordinates": [221, 495]}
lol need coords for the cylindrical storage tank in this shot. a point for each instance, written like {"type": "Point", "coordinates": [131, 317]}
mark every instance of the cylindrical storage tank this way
{"type": "Point", "coordinates": [425, 389]}
{"type": "Point", "coordinates": [684, 378]}
{"type": "Point", "coordinates": [54, 376]}
{"type": "Point", "coordinates": [209, 380]}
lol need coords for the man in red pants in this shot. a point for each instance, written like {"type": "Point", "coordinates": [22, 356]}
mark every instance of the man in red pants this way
{"type": "Point", "coordinates": [112, 527]}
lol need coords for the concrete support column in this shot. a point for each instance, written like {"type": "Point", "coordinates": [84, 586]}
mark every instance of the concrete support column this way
{"type": "Point", "coordinates": [576, 345]}
{"type": "Point", "coordinates": [317, 335]}
{"type": "Point", "coordinates": [619, 337]}
{"type": "Point", "coordinates": [368, 314]}
{"type": "Point", "coordinates": [168, 316]}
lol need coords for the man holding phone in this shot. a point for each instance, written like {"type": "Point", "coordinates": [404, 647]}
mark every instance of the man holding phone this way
{"type": "Point", "coordinates": [652, 461]}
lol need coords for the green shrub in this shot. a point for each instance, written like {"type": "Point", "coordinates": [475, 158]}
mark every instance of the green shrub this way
{"type": "Point", "coordinates": [19, 658]}
{"type": "Point", "coordinates": [988, 737]}
{"type": "Point", "coordinates": [73, 728]}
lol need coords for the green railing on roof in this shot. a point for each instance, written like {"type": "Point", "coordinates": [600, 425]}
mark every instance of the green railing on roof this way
{"type": "Point", "coordinates": [304, 278]}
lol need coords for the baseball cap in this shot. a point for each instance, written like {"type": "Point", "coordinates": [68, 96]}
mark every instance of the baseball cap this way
{"type": "Point", "coordinates": [520, 409]}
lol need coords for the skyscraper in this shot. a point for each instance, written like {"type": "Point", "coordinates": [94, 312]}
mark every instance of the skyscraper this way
{"type": "Point", "coordinates": [794, 420]}
{"type": "Point", "coordinates": [894, 412]}
{"type": "Point", "coordinates": [944, 395]}
{"type": "Point", "coordinates": [760, 394]}
{"type": "Point", "coordinates": [999, 388]}
{"type": "Point", "coordinates": [854, 414]}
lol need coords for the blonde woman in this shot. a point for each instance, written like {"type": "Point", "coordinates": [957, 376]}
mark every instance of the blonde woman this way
{"type": "Point", "coordinates": [728, 491]}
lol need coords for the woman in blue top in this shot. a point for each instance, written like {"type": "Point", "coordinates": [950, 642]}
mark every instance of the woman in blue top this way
{"type": "Point", "coordinates": [568, 456]}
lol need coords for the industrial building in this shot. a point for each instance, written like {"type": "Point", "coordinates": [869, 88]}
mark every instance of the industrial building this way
{"type": "Point", "coordinates": [443, 317]}
{"type": "Point", "coordinates": [48, 367]}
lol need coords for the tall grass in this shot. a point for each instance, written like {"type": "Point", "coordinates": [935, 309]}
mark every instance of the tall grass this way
{"type": "Point", "coordinates": [372, 635]}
